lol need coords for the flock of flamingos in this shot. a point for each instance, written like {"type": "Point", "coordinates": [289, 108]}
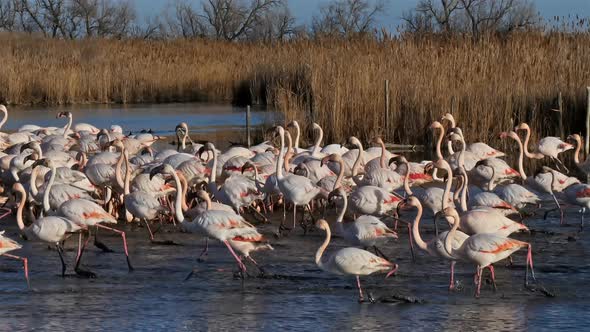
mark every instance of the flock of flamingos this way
{"type": "Point", "coordinates": [79, 178]}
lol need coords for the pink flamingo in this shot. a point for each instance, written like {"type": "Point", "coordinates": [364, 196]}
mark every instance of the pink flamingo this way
{"type": "Point", "coordinates": [484, 250]}
{"type": "Point", "coordinates": [296, 189]}
{"type": "Point", "coordinates": [583, 166]}
{"type": "Point", "coordinates": [8, 245]}
{"type": "Point", "coordinates": [351, 261]}
{"type": "Point", "coordinates": [548, 146]}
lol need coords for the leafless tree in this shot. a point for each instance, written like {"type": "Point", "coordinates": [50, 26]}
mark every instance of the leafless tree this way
{"type": "Point", "coordinates": [498, 15]}
{"type": "Point", "coordinates": [185, 21]}
{"type": "Point", "coordinates": [274, 24]}
{"type": "Point", "coordinates": [475, 17]}
{"type": "Point", "coordinates": [235, 19]}
{"type": "Point", "coordinates": [347, 17]}
{"type": "Point", "coordinates": [8, 16]}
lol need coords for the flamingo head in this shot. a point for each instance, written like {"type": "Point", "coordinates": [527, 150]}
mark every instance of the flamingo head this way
{"type": "Point", "coordinates": [63, 115]}
{"type": "Point", "coordinates": [397, 160]}
{"type": "Point", "coordinates": [436, 125]}
{"type": "Point", "coordinates": [336, 192]}
{"type": "Point", "coordinates": [333, 157]}
{"type": "Point", "coordinates": [355, 142]}
{"type": "Point", "coordinates": [522, 126]}
{"type": "Point", "coordinates": [248, 166]}
{"type": "Point", "coordinates": [293, 124]}
{"type": "Point", "coordinates": [43, 162]}
{"type": "Point", "coordinates": [34, 145]}
{"type": "Point", "coordinates": [451, 214]}
{"type": "Point", "coordinates": [574, 138]}
{"type": "Point", "coordinates": [322, 224]}
{"type": "Point", "coordinates": [162, 169]}
{"type": "Point", "coordinates": [377, 140]}
{"type": "Point", "coordinates": [3, 108]}
{"type": "Point", "coordinates": [449, 117]}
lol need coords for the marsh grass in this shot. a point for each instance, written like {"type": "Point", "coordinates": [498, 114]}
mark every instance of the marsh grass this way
{"type": "Point", "coordinates": [489, 86]}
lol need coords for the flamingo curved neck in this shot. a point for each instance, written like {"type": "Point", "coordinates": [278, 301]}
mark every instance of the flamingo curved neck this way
{"type": "Point", "coordinates": [527, 153]}
{"type": "Point", "coordinates": [213, 176]}
{"type": "Point", "coordinates": [318, 141]}
{"type": "Point", "coordinates": [342, 212]}
{"type": "Point", "coordinates": [33, 181]}
{"type": "Point", "coordinates": [118, 171]}
{"type": "Point", "coordinates": [439, 143]}
{"type": "Point", "coordinates": [280, 159]}
{"type": "Point", "coordinates": [322, 248]}
{"type": "Point", "coordinates": [4, 118]}
{"type": "Point", "coordinates": [416, 230]}
{"type": "Point", "coordinates": [491, 183]}
{"type": "Point", "coordinates": [451, 235]}
{"type": "Point", "coordinates": [357, 162]}
{"type": "Point", "coordinates": [520, 159]}
{"type": "Point", "coordinates": [383, 149]}
{"type": "Point", "coordinates": [407, 180]}
{"type": "Point", "coordinates": [46, 206]}
{"type": "Point", "coordinates": [179, 198]}
{"type": "Point", "coordinates": [289, 142]}
{"type": "Point", "coordinates": [184, 186]}
{"type": "Point", "coordinates": [576, 153]}
{"type": "Point", "coordinates": [68, 126]}
{"type": "Point", "coordinates": [464, 190]}
{"type": "Point", "coordinates": [340, 177]}
{"type": "Point", "coordinates": [19, 212]}
{"type": "Point", "coordinates": [297, 134]}
{"type": "Point", "coordinates": [448, 185]}
{"type": "Point", "coordinates": [126, 189]}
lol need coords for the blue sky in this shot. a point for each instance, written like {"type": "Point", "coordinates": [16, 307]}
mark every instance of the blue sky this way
{"type": "Point", "coordinates": [304, 9]}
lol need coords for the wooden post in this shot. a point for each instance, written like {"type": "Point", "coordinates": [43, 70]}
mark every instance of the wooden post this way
{"type": "Point", "coordinates": [248, 126]}
{"type": "Point", "coordinates": [587, 121]}
{"type": "Point", "coordinates": [387, 120]}
{"type": "Point", "coordinates": [560, 105]}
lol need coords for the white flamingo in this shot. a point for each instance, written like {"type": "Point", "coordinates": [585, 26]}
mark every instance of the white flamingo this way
{"type": "Point", "coordinates": [351, 261]}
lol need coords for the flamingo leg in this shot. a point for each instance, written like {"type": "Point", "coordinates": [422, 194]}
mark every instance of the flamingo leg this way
{"type": "Point", "coordinates": [479, 273]}
{"type": "Point", "coordinates": [358, 284]}
{"type": "Point", "coordinates": [124, 242]}
{"type": "Point", "coordinates": [452, 281]}
{"type": "Point", "coordinates": [294, 213]}
{"type": "Point", "coordinates": [61, 258]}
{"type": "Point", "coordinates": [260, 269]}
{"type": "Point", "coordinates": [149, 230]}
{"type": "Point", "coordinates": [99, 244]}
{"type": "Point", "coordinates": [25, 266]}
{"type": "Point", "coordinates": [529, 262]}
{"type": "Point", "coordinates": [582, 211]}
{"type": "Point", "coordinates": [493, 274]}
{"type": "Point", "coordinates": [240, 263]}
{"type": "Point", "coordinates": [561, 219]}
{"type": "Point", "coordinates": [380, 253]}
{"type": "Point", "coordinates": [205, 251]}
{"type": "Point", "coordinates": [77, 269]}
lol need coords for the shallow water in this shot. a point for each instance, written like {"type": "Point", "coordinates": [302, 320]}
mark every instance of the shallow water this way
{"type": "Point", "coordinates": [215, 122]}
{"type": "Point", "coordinates": [293, 294]}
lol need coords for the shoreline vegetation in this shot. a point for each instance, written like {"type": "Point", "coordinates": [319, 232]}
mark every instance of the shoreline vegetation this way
{"type": "Point", "coordinates": [489, 85]}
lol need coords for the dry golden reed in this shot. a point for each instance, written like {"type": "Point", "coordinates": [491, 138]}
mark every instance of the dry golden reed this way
{"type": "Point", "coordinates": [489, 86]}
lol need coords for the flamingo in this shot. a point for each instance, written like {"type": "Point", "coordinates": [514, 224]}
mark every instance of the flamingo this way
{"type": "Point", "coordinates": [434, 247]}
{"type": "Point", "coordinates": [576, 194]}
{"type": "Point", "coordinates": [484, 250]}
{"type": "Point", "coordinates": [52, 230]}
{"type": "Point", "coordinates": [366, 231]}
{"type": "Point", "coordinates": [351, 261]}
{"type": "Point", "coordinates": [296, 189]}
{"type": "Point", "coordinates": [88, 214]}
{"type": "Point", "coordinates": [583, 166]}
{"type": "Point", "coordinates": [548, 146]}
{"type": "Point", "coordinates": [7, 245]}
{"type": "Point", "coordinates": [222, 225]}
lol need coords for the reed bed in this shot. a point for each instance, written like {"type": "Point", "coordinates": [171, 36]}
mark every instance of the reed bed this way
{"type": "Point", "coordinates": [489, 85]}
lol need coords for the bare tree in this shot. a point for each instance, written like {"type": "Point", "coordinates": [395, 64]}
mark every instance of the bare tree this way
{"type": "Point", "coordinates": [234, 19]}
{"type": "Point", "coordinates": [185, 21]}
{"type": "Point", "coordinates": [102, 18]}
{"type": "Point", "coordinates": [347, 17]}
{"type": "Point", "coordinates": [8, 15]}
{"type": "Point", "coordinates": [474, 17]}
{"type": "Point", "coordinates": [274, 24]}
{"type": "Point", "coordinates": [498, 15]}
